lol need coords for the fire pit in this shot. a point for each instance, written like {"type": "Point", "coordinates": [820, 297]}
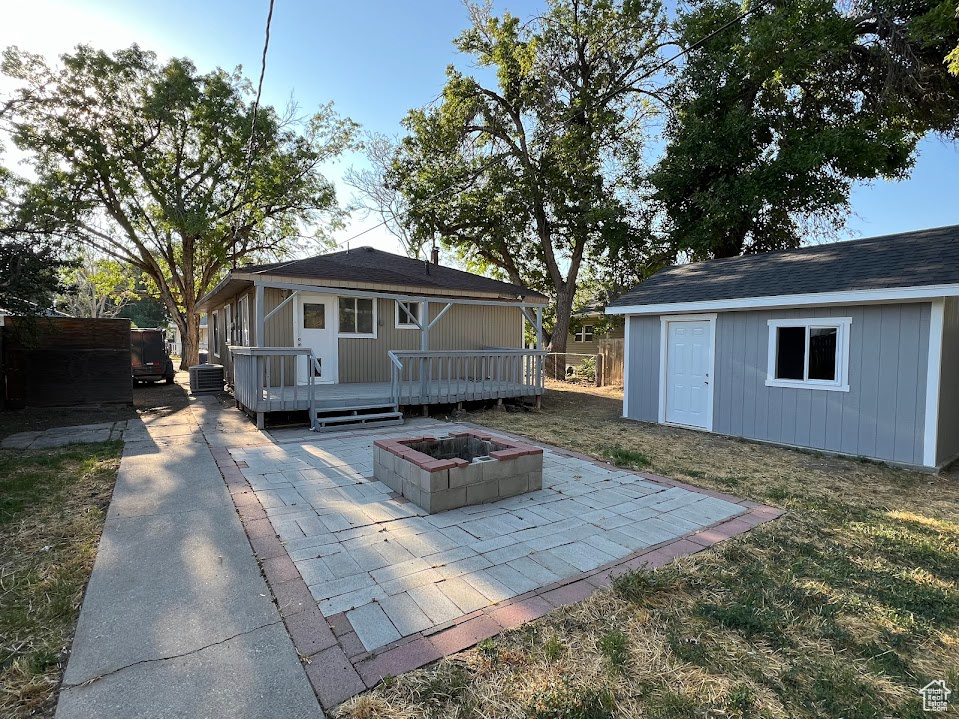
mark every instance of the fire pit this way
{"type": "Point", "coordinates": [462, 468]}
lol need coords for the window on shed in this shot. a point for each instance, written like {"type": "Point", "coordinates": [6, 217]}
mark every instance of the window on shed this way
{"type": "Point", "coordinates": [810, 353]}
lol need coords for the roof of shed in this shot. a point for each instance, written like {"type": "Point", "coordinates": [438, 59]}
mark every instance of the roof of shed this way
{"type": "Point", "coordinates": [367, 264]}
{"type": "Point", "coordinates": [908, 259]}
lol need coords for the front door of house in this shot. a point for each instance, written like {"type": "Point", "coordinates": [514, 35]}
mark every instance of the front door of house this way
{"type": "Point", "coordinates": [314, 326]}
{"type": "Point", "coordinates": [688, 350]}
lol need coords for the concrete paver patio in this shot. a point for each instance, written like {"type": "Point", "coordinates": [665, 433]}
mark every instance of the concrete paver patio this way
{"type": "Point", "coordinates": [396, 571]}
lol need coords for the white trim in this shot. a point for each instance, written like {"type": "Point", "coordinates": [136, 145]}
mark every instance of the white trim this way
{"type": "Point", "coordinates": [626, 368]}
{"type": "Point", "coordinates": [408, 325]}
{"type": "Point", "coordinates": [356, 335]}
{"type": "Point", "coordinates": [215, 334]}
{"type": "Point", "coordinates": [842, 325]}
{"type": "Point", "coordinates": [228, 324]}
{"type": "Point", "coordinates": [243, 315]}
{"type": "Point", "coordinates": [582, 331]}
{"type": "Point", "coordinates": [930, 436]}
{"type": "Point", "coordinates": [664, 321]}
{"type": "Point", "coordinates": [849, 297]}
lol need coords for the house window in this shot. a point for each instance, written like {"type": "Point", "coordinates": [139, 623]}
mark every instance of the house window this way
{"type": "Point", "coordinates": [809, 353]}
{"type": "Point", "coordinates": [243, 318]}
{"type": "Point", "coordinates": [228, 325]}
{"type": "Point", "coordinates": [584, 334]}
{"type": "Point", "coordinates": [403, 320]}
{"type": "Point", "coordinates": [357, 316]}
{"type": "Point", "coordinates": [215, 319]}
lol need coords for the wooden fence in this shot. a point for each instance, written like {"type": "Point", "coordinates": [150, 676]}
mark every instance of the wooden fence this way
{"type": "Point", "coordinates": [64, 362]}
{"type": "Point", "coordinates": [610, 355]}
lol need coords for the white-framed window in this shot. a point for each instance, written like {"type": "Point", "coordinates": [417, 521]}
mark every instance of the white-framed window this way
{"type": "Point", "coordinates": [357, 316]}
{"type": "Point", "coordinates": [215, 321]}
{"type": "Point", "coordinates": [243, 320]}
{"type": "Point", "coordinates": [403, 321]}
{"type": "Point", "coordinates": [809, 353]}
{"type": "Point", "coordinates": [584, 334]}
{"type": "Point", "coordinates": [228, 329]}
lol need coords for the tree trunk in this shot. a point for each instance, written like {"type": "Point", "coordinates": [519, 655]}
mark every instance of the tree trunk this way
{"type": "Point", "coordinates": [191, 341]}
{"type": "Point", "coordinates": [557, 343]}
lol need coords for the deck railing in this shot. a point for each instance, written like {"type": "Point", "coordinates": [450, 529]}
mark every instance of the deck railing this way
{"type": "Point", "coordinates": [265, 379]}
{"type": "Point", "coordinates": [462, 375]}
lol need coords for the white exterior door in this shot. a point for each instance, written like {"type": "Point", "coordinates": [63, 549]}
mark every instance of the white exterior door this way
{"type": "Point", "coordinates": [687, 376]}
{"type": "Point", "coordinates": [314, 326]}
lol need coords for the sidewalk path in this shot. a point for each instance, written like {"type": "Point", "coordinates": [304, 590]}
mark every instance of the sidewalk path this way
{"type": "Point", "coordinates": [177, 620]}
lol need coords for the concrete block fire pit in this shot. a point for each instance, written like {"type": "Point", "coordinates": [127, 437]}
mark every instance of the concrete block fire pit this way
{"type": "Point", "coordinates": [463, 468]}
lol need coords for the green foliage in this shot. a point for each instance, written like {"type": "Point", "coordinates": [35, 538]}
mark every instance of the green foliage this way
{"type": "Point", "coordinates": [775, 118]}
{"type": "Point", "coordinates": [527, 175]}
{"type": "Point", "coordinates": [586, 369]}
{"type": "Point", "coordinates": [615, 647]}
{"type": "Point", "coordinates": [154, 165]}
{"type": "Point", "coordinates": [569, 702]}
{"type": "Point", "coordinates": [623, 457]}
{"type": "Point", "coordinates": [96, 286]}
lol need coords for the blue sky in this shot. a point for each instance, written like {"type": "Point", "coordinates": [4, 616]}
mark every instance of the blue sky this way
{"type": "Point", "coordinates": [376, 59]}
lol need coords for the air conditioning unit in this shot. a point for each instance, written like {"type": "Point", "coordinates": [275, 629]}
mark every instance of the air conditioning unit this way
{"type": "Point", "coordinates": [206, 378]}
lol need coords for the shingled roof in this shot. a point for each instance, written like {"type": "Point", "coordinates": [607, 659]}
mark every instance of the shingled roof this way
{"type": "Point", "coordinates": [908, 259]}
{"type": "Point", "coordinates": [369, 265]}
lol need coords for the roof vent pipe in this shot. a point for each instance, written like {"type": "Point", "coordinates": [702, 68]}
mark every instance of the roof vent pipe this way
{"type": "Point", "coordinates": [435, 255]}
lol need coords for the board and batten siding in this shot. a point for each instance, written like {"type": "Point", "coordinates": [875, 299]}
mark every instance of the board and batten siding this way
{"type": "Point", "coordinates": [463, 327]}
{"type": "Point", "coordinates": [947, 445]}
{"type": "Point", "coordinates": [882, 416]}
{"type": "Point", "coordinates": [642, 371]}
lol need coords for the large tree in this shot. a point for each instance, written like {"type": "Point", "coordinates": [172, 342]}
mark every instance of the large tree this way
{"type": "Point", "coordinates": [175, 172]}
{"type": "Point", "coordinates": [775, 117]}
{"type": "Point", "coordinates": [375, 197]}
{"type": "Point", "coordinates": [525, 172]}
{"type": "Point", "coordinates": [30, 264]}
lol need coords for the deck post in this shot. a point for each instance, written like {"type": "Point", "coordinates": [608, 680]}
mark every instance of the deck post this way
{"type": "Point", "coordinates": [260, 321]}
{"type": "Point", "coordinates": [425, 347]}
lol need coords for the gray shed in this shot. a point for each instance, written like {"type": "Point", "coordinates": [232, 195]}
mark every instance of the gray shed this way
{"type": "Point", "coordinates": [850, 347]}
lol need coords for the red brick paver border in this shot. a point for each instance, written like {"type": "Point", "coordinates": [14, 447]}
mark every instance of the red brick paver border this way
{"type": "Point", "coordinates": [337, 664]}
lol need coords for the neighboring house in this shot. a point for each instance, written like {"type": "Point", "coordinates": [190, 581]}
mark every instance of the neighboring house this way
{"type": "Point", "coordinates": [585, 339]}
{"type": "Point", "coordinates": [851, 347]}
{"type": "Point", "coordinates": [357, 334]}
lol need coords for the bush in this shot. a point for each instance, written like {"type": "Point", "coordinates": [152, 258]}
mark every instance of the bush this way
{"type": "Point", "coordinates": [587, 369]}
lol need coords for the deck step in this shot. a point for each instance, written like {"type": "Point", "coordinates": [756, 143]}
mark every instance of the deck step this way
{"type": "Point", "coordinates": [345, 421]}
{"type": "Point", "coordinates": [351, 408]}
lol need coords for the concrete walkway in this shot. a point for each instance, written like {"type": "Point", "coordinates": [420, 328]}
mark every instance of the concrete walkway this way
{"type": "Point", "coordinates": [63, 436]}
{"type": "Point", "coordinates": [177, 620]}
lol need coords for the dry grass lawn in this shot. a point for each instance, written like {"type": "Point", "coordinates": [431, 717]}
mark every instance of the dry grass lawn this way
{"type": "Point", "coordinates": [52, 507]}
{"type": "Point", "coordinates": [844, 607]}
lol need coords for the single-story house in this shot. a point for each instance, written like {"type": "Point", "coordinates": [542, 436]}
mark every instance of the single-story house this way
{"type": "Point", "coordinates": [584, 337]}
{"type": "Point", "coordinates": [850, 347]}
{"type": "Point", "coordinates": [352, 336]}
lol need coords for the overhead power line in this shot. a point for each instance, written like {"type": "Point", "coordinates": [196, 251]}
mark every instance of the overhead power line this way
{"type": "Point", "coordinates": [251, 145]}
{"type": "Point", "coordinates": [662, 66]}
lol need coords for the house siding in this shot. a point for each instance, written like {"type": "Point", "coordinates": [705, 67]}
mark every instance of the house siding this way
{"type": "Point", "coordinates": [463, 327]}
{"type": "Point", "coordinates": [947, 445]}
{"type": "Point", "coordinates": [882, 415]}
{"type": "Point", "coordinates": [591, 347]}
{"type": "Point", "coordinates": [642, 381]}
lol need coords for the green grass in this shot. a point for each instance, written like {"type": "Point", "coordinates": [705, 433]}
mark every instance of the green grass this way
{"type": "Point", "coordinates": [52, 507]}
{"type": "Point", "coordinates": [844, 607]}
